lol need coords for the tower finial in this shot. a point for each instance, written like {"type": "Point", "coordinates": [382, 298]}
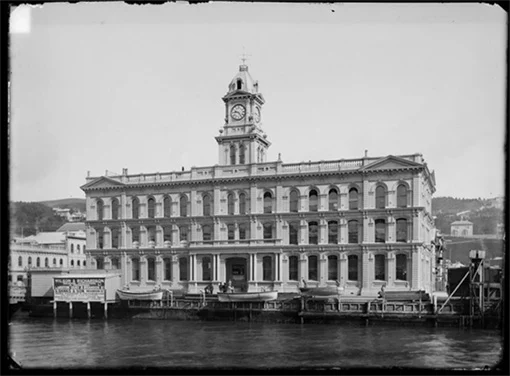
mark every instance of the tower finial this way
{"type": "Point", "coordinates": [244, 56]}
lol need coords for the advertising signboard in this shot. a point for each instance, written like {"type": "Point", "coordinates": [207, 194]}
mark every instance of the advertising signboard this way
{"type": "Point", "coordinates": [79, 289]}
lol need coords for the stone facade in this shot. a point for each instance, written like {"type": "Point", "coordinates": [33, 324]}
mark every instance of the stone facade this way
{"type": "Point", "coordinates": [362, 223]}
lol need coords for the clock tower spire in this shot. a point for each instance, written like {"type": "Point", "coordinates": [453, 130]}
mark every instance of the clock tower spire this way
{"type": "Point", "coordinates": [242, 140]}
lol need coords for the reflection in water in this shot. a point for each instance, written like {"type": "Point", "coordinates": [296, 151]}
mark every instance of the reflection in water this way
{"type": "Point", "coordinates": [48, 343]}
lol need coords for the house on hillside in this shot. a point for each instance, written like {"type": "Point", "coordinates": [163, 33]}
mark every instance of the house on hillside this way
{"type": "Point", "coordinates": [461, 228]}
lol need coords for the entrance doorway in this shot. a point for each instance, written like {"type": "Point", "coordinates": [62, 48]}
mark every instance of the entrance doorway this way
{"type": "Point", "coordinates": [236, 272]}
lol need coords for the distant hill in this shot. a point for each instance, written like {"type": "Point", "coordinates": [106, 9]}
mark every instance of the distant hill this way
{"type": "Point", "coordinates": [484, 214]}
{"type": "Point", "coordinates": [28, 218]}
{"type": "Point", "coordinates": [66, 203]}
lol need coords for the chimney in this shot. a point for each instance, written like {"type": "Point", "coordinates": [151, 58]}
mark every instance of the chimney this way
{"type": "Point", "coordinates": [124, 171]}
{"type": "Point", "coordinates": [366, 153]}
{"type": "Point", "coordinates": [88, 174]}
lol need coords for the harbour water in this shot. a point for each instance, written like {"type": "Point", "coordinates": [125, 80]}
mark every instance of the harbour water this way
{"type": "Point", "coordinates": [80, 343]}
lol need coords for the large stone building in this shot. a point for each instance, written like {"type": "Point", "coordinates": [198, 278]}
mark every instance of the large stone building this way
{"type": "Point", "coordinates": [363, 222]}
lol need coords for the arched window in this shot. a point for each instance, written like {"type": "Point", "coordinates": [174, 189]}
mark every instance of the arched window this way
{"type": "Point", "coordinates": [183, 233]}
{"type": "Point", "coordinates": [231, 231]}
{"type": "Point", "coordinates": [167, 234]}
{"type": "Point", "coordinates": [72, 248]}
{"type": "Point", "coordinates": [352, 267]}
{"type": "Point", "coordinates": [55, 262]}
{"type": "Point", "coordinates": [151, 269]}
{"type": "Point", "coordinates": [62, 262]}
{"type": "Point", "coordinates": [293, 268]}
{"type": "Point", "coordinates": [332, 268]}
{"type": "Point", "coordinates": [267, 268]}
{"type": "Point", "coordinates": [241, 154]}
{"type": "Point", "coordinates": [99, 208]}
{"type": "Point", "coordinates": [380, 197]}
{"type": "Point", "coordinates": [115, 237]}
{"type": "Point", "coordinates": [313, 233]}
{"type": "Point", "coordinates": [135, 208]}
{"type": "Point", "coordinates": [312, 268]}
{"type": "Point", "coordinates": [135, 234]}
{"type": "Point", "coordinates": [167, 207]}
{"type": "Point", "coordinates": [29, 260]}
{"type": "Point", "coordinates": [293, 233]}
{"type": "Point", "coordinates": [293, 201]}
{"type": "Point", "coordinates": [239, 84]}
{"type": "Point", "coordinates": [151, 207]}
{"type": "Point", "coordinates": [332, 232]}
{"type": "Point", "coordinates": [183, 269]}
{"type": "Point", "coordinates": [38, 262]}
{"type": "Point", "coordinates": [77, 262]}
{"type": "Point", "coordinates": [402, 230]}
{"type": "Point", "coordinates": [151, 234]}
{"type": "Point", "coordinates": [401, 196]}
{"type": "Point", "coordinates": [72, 263]}
{"type": "Point", "coordinates": [206, 269]}
{"type": "Point", "coordinates": [380, 267]}
{"type": "Point", "coordinates": [20, 261]}
{"type": "Point", "coordinates": [207, 233]}
{"type": "Point", "coordinates": [333, 199]}
{"type": "Point", "coordinates": [232, 154]}
{"type": "Point", "coordinates": [230, 204]}
{"type": "Point", "coordinates": [78, 248]}
{"type": "Point", "coordinates": [353, 228]}
{"type": "Point", "coordinates": [115, 208]}
{"type": "Point", "coordinates": [380, 231]}
{"type": "Point", "coordinates": [243, 231]}
{"type": "Point", "coordinates": [115, 263]}
{"type": "Point", "coordinates": [268, 230]}
{"type": "Point", "coordinates": [183, 203]}
{"type": "Point", "coordinates": [401, 267]}
{"type": "Point", "coordinates": [168, 269]}
{"type": "Point", "coordinates": [135, 269]}
{"type": "Point", "coordinates": [268, 203]}
{"type": "Point", "coordinates": [100, 238]}
{"type": "Point", "coordinates": [206, 205]}
{"type": "Point", "coordinates": [353, 199]}
{"type": "Point", "coordinates": [46, 262]}
{"type": "Point", "coordinates": [313, 200]}
{"type": "Point", "coordinates": [242, 203]}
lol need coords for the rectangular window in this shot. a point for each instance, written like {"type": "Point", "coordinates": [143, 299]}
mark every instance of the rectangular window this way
{"type": "Point", "coordinates": [183, 233]}
{"type": "Point", "coordinates": [380, 231]}
{"type": "Point", "coordinates": [401, 267]}
{"type": "Point", "coordinates": [333, 232]}
{"type": "Point", "coordinates": [313, 233]}
{"type": "Point", "coordinates": [268, 231]}
{"type": "Point", "coordinates": [293, 268]}
{"type": "Point", "coordinates": [293, 232]}
{"type": "Point", "coordinates": [206, 269]}
{"type": "Point", "coordinates": [352, 265]}
{"type": "Point", "coordinates": [312, 268]}
{"type": "Point", "coordinates": [267, 269]}
{"type": "Point", "coordinates": [231, 232]}
{"type": "Point", "coordinates": [183, 269]}
{"type": "Point", "coordinates": [168, 269]}
{"type": "Point", "coordinates": [402, 230]}
{"type": "Point", "coordinates": [135, 269]}
{"type": "Point", "coordinates": [332, 268]}
{"type": "Point", "coordinates": [242, 231]}
{"type": "Point", "coordinates": [353, 232]}
{"type": "Point", "coordinates": [151, 269]}
{"type": "Point", "coordinates": [380, 268]}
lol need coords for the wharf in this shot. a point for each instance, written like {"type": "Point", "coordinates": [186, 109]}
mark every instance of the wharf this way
{"type": "Point", "coordinates": [292, 309]}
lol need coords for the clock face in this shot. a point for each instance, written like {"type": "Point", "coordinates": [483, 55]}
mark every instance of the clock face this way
{"type": "Point", "coordinates": [257, 114]}
{"type": "Point", "coordinates": [238, 112]}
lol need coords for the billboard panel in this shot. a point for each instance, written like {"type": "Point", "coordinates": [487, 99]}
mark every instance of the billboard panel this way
{"type": "Point", "coordinates": [79, 289]}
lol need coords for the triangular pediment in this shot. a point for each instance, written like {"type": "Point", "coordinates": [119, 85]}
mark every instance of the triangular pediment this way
{"type": "Point", "coordinates": [102, 182]}
{"type": "Point", "coordinates": [389, 163]}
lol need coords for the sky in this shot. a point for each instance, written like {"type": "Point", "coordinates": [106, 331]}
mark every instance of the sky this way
{"type": "Point", "coordinates": [107, 86]}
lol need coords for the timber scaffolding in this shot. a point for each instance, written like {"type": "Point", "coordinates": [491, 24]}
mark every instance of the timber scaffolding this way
{"type": "Point", "coordinates": [292, 308]}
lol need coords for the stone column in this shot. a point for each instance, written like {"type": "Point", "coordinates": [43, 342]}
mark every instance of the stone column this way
{"type": "Point", "coordinates": [416, 226]}
{"type": "Point", "coordinates": [365, 204]}
{"type": "Point", "coordinates": [391, 269]}
{"type": "Point", "coordinates": [107, 209]}
{"type": "Point", "coordinates": [175, 270]}
{"type": "Point", "coordinates": [416, 196]}
{"type": "Point", "coordinates": [323, 202]}
{"type": "Point", "coordinates": [323, 231]}
{"type": "Point", "coordinates": [158, 206]}
{"type": "Point", "coordinates": [125, 271]}
{"type": "Point", "coordinates": [254, 206]}
{"type": "Point", "coordinates": [218, 208]}
{"type": "Point", "coordinates": [368, 227]}
{"type": "Point", "coordinates": [366, 262]}
{"type": "Point", "coordinates": [416, 269]}
{"type": "Point", "coordinates": [159, 270]}
{"type": "Point", "coordinates": [303, 266]}
{"type": "Point", "coordinates": [278, 207]}
{"type": "Point", "coordinates": [343, 269]}
{"type": "Point", "coordinates": [123, 206]}
{"type": "Point", "coordinates": [143, 270]}
{"type": "Point", "coordinates": [303, 232]}
{"type": "Point", "coordinates": [323, 269]}
{"type": "Point", "coordinates": [143, 207]}
{"type": "Point", "coordinates": [343, 235]}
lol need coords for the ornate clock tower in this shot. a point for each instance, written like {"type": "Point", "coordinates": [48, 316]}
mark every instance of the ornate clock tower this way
{"type": "Point", "coordinates": [242, 140]}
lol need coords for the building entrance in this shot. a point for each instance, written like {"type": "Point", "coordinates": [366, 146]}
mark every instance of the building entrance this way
{"type": "Point", "coordinates": [236, 272]}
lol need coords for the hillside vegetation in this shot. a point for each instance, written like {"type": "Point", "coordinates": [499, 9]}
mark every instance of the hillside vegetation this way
{"type": "Point", "coordinates": [27, 218]}
{"type": "Point", "coordinates": [67, 203]}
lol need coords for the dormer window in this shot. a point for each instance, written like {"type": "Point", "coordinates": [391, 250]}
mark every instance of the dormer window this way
{"type": "Point", "coordinates": [239, 84]}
